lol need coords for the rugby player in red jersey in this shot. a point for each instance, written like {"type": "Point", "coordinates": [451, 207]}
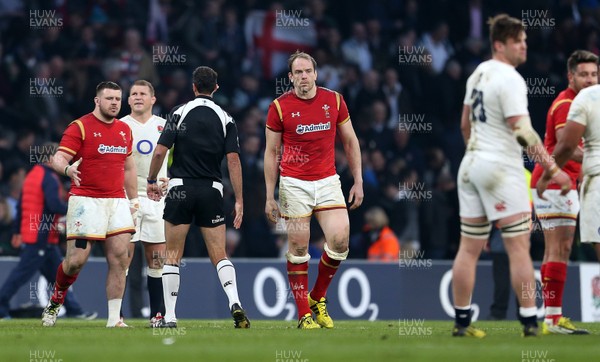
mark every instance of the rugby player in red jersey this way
{"type": "Point", "coordinates": [300, 136]}
{"type": "Point", "coordinates": [557, 214]}
{"type": "Point", "coordinates": [103, 172]}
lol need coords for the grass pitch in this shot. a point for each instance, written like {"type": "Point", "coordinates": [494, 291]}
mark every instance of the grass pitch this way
{"type": "Point", "coordinates": [280, 341]}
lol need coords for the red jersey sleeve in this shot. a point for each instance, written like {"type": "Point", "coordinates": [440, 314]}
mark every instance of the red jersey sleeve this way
{"type": "Point", "coordinates": [72, 138]}
{"type": "Point", "coordinates": [274, 117]}
{"type": "Point", "coordinates": [560, 113]}
{"type": "Point", "coordinates": [343, 115]}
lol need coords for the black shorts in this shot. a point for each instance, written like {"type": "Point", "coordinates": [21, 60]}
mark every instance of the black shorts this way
{"type": "Point", "coordinates": [198, 198]}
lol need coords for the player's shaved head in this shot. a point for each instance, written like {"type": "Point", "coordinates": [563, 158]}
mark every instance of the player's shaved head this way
{"type": "Point", "coordinates": [106, 85]}
{"type": "Point", "coordinates": [504, 27]}
{"type": "Point", "coordinates": [303, 55]}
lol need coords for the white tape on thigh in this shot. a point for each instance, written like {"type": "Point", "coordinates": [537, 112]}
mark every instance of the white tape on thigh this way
{"type": "Point", "coordinates": [334, 255]}
{"type": "Point", "coordinates": [297, 259]}
{"type": "Point", "coordinates": [476, 231]}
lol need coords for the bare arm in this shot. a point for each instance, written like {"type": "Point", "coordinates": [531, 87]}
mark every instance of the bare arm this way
{"type": "Point", "coordinates": [577, 155]}
{"type": "Point", "coordinates": [536, 152]}
{"type": "Point", "coordinates": [272, 148]}
{"type": "Point", "coordinates": [60, 164]}
{"type": "Point", "coordinates": [465, 124]}
{"type": "Point", "coordinates": [352, 150]}
{"type": "Point", "coordinates": [152, 189]}
{"type": "Point", "coordinates": [235, 175]}
{"type": "Point", "coordinates": [131, 178]}
{"type": "Point", "coordinates": [566, 146]}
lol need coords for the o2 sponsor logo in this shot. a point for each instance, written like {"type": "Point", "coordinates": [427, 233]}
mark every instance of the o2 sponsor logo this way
{"type": "Point", "coordinates": [448, 306]}
{"type": "Point", "coordinates": [285, 304]}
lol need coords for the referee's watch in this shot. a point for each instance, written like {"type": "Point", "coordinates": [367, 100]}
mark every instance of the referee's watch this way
{"type": "Point", "coordinates": [151, 182]}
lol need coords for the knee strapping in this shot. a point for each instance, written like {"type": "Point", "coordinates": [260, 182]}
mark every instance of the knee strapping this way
{"type": "Point", "coordinates": [297, 259]}
{"type": "Point", "coordinates": [516, 228]}
{"type": "Point", "coordinates": [335, 255]}
{"type": "Point", "coordinates": [476, 231]}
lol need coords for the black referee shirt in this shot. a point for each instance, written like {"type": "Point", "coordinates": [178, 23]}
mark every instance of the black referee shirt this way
{"type": "Point", "coordinates": [202, 133]}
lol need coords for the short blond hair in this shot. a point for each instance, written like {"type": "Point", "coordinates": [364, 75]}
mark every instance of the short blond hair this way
{"type": "Point", "coordinates": [143, 83]}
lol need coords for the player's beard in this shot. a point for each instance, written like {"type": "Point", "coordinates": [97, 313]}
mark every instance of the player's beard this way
{"type": "Point", "coordinates": [107, 114]}
{"type": "Point", "coordinates": [305, 88]}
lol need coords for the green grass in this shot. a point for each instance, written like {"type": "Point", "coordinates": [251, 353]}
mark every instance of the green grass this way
{"type": "Point", "coordinates": [278, 341]}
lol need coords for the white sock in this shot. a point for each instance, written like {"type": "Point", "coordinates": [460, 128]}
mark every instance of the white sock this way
{"type": "Point", "coordinates": [114, 312]}
{"type": "Point", "coordinates": [551, 311]}
{"type": "Point", "coordinates": [226, 273]}
{"type": "Point", "coordinates": [527, 312]}
{"type": "Point", "coordinates": [170, 280]}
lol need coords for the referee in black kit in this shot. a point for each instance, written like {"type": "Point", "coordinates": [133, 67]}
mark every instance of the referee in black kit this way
{"type": "Point", "coordinates": [202, 133]}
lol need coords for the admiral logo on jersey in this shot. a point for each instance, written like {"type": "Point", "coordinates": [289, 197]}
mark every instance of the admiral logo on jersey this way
{"type": "Point", "coordinates": [301, 129]}
{"type": "Point", "coordinates": [102, 149]}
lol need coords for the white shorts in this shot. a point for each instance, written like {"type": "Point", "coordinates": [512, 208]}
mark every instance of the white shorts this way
{"type": "Point", "coordinates": [589, 217]}
{"type": "Point", "coordinates": [491, 189]}
{"type": "Point", "coordinates": [556, 210]}
{"type": "Point", "coordinates": [150, 221]}
{"type": "Point", "coordinates": [299, 198]}
{"type": "Point", "coordinates": [93, 218]}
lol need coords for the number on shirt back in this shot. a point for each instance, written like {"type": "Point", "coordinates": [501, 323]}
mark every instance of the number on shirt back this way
{"type": "Point", "coordinates": [477, 111]}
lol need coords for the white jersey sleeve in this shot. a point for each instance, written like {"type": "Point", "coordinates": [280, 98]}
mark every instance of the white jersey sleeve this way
{"type": "Point", "coordinates": [145, 138]}
{"type": "Point", "coordinates": [585, 111]}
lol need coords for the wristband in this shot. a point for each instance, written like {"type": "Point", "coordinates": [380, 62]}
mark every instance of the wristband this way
{"type": "Point", "coordinates": [151, 182]}
{"type": "Point", "coordinates": [66, 170]}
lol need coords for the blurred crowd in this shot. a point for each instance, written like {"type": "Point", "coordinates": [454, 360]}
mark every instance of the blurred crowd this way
{"type": "Point", "coordinates": [401, 66]}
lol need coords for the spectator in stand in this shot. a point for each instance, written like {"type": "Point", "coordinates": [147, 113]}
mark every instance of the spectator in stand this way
{"type": "Point", "coordinates": [383, 243]}
{"type": "Point", "coordinates": [436, 43]}
{"type": "Point", "coordinates": [356, 49]}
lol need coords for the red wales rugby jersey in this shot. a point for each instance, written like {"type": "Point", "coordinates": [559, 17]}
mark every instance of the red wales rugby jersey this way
{"type": "Point", "coordinates": [308, 128]}
{"type": "Point", "coordinates": [556, 119]}
{"type": "Point", "coordinates": [104, 148]}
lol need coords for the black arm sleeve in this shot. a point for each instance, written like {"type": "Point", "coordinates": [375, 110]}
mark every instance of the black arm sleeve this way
{"type": "Point", "coordinates": [169, 133]}
{"type": "Point", "coordinates": [232, 143]}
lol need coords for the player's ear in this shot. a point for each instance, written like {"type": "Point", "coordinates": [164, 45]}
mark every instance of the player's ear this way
{"type": "Point", "coordinates": [152, 100]}
{"type": "Point", "coordinates": [96, 100]}
{"type": "Point", "coordinates": [570, 76]}
{"type": "Point", "coordinates": [290, 76]}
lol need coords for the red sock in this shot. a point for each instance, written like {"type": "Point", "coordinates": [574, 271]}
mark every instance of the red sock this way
{"type": "Point", "coordinates": [298, 277]}
{"type": "Point", "coordinates": [63, 282]}
{"type": "Point", "coordinates": [555, 275]}
{"type": "Point", "coordinates": [543, 274]}
{"type": "Point", "coordinates": [327, 269]}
